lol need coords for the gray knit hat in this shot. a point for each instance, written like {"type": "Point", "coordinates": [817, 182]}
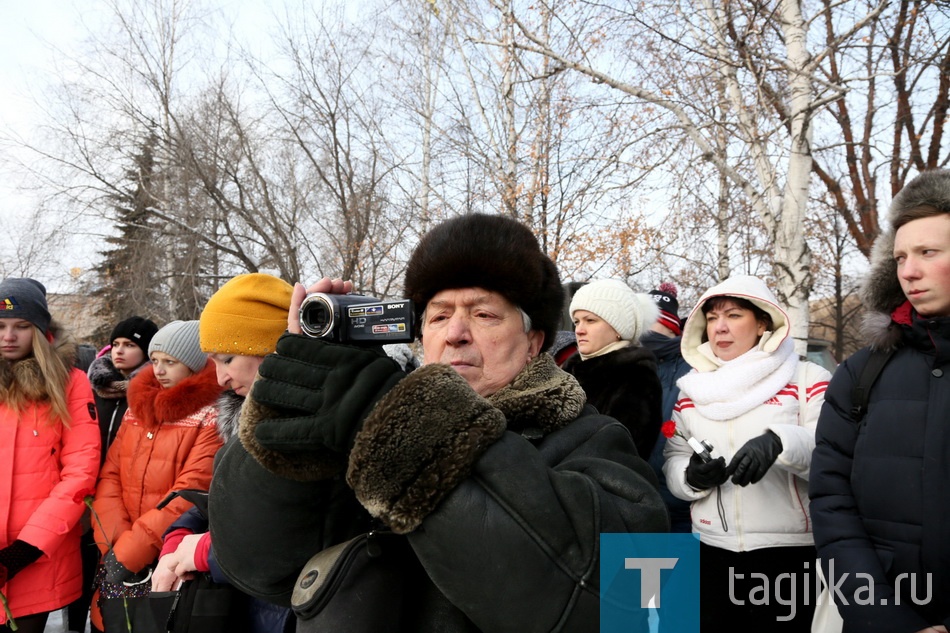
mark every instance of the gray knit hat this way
{"type": "Point", "coordinates": [180, 339]}
{"type": "Point", "coordinates": [629, 313]}
{"type": "Point", "coordinates": [24, 298]}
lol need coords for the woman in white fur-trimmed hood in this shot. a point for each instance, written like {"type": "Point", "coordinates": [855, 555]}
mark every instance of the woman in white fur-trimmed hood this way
{"type": "Point", "coordinates": [751, 397]}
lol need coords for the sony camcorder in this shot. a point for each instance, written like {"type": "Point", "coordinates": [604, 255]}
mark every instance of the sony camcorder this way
{"type": "Point", "coordinates": [357, 319]}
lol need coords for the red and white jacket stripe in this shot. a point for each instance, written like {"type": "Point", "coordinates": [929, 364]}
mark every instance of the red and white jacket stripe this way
{"type": "Point", "coordinates": [774, 511]}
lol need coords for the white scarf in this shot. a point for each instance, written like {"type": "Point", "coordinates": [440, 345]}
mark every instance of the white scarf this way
{"type": "Point", "coordinates": [741, 384]}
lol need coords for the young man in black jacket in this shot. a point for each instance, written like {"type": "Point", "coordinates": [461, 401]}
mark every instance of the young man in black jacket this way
{"type": "Point", "coordinates": [880, 483]}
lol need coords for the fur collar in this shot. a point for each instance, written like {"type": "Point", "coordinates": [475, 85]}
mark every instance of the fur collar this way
{"type": "Point", "coordinates": [542, 396]}
{"type": "Point", "coordinates": [425, 436]}
{"type": "Point", "coordinates": [154, 405]}
{"type": "Point", "coordinates": [24, 376]}
{"type": "Point", "coordinates": [619, 359]}
{"type": "Point", "coordinates": [107, 381]}
{"type": "Point", "coordinates": [229, 412]}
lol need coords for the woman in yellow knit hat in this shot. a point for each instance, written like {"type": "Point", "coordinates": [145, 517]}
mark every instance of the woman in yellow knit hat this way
{"type": "Point", "coordinates": [238, 327]}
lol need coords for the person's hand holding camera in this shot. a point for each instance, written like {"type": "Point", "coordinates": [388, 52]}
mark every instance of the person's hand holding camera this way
{"type": "Point", "coordinates": [325, 285]}
{"type": "Point", "coordinates": [311, 397]}
{"type": "Point", "coordinates": [703, 475]}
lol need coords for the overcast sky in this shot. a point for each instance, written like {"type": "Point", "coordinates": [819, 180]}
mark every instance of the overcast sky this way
{"type": "Point", "coordinates": [31, 31]}
{"type": "Point", "coordinates": [24, 54]}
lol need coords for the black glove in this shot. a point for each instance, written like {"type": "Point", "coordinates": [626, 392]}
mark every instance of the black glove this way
{"type": "Point", "coordinates": [754, 458]}
{"type": "Point", "coordinates": [319, 393]}
{"type": "Point", "coordinates": [702, 475]}
{"type": "Point", "coordinates": [116, 572]}
{"type": "Point", "coordinates": [15, 556]}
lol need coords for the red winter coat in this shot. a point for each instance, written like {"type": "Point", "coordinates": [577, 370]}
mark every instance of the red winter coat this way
{"type": "Point", "coordinates": [43, 468]}
{"type": "Point", "coordinates": [166, 442]}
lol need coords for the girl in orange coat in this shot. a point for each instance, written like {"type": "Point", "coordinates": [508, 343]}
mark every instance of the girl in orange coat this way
{"type": "Point", "coordinates": [49, 454]}
{"type": "Point", "coordinates": [166, 442]}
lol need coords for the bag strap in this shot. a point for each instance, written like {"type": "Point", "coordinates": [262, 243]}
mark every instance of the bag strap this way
{"type": "Point", "coordinates": [861, 392]}
{"type": "Point", "coordinates": [199, 498]}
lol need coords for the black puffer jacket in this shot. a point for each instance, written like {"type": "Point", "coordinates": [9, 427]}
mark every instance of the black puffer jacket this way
{"type": "Point", "coordinates": [880, 490]}
{"type": "Point", "coordinates": [502, 501]}
{"type": "Point", "coordinates": [624, 385]}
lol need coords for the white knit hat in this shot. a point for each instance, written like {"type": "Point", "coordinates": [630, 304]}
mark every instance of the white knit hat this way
{"type": "Point", "coordinates": [180, 340]}
{"type": "Point", "coordinates": [616, 303]}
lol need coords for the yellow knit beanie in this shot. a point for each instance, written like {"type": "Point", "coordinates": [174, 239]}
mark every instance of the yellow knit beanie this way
{"type": "Point", "coordinates": [246, 316]}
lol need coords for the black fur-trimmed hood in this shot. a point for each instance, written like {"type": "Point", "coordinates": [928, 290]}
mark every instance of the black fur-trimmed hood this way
{"type": "Point", "coordinates": [107, 381]}
{"type": "Point", "coordinates": [881, 291]}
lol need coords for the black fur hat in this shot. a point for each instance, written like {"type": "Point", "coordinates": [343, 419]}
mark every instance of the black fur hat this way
{"type": "Point", "coordinates": [491, 252]}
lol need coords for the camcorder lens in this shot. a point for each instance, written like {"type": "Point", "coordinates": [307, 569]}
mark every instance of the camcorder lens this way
{"type": "Point", "coordinates": [316, 317]}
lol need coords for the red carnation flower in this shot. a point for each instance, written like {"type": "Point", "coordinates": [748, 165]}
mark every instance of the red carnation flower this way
{"type": "Point", "coordinates": [80, 497]}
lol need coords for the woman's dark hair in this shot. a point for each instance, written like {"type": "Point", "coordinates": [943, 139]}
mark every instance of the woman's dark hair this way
{"type": "Point", "coordinates": [714, 303]}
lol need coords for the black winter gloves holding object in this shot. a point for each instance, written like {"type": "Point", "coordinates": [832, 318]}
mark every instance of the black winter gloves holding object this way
{"type": "Point", "coordinates": [15, 557]}
{"type": "Point", "coordinates": [754, 458]}
{"type": "Point", "coordinates": [702, 475]}
{"type": "Point", "coordinates": [748, 465]}
{"type": "Point", "coordinates": [310, 401]}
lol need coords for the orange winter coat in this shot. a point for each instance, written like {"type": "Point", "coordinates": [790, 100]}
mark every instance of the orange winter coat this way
{"type": "Point", "coordinates": [44, 469]}
{"type": "Point", "coordinates": [166, 442]}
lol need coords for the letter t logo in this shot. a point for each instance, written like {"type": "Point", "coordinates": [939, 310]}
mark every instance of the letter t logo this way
{"type": "Point", "coordinates": [649, 576]}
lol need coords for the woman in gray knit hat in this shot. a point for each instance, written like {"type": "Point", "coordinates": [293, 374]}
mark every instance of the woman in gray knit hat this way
{"type": "Point", "coordinates": [880, 474]}
{"type": "Point", "coordinates": [167, 441]}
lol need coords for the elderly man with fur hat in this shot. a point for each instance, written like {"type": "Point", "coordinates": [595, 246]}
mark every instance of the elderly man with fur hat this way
{"type": "Point", "coordinates": [880, 483]}
{"type": "Point", "coordinates": [491, 475]}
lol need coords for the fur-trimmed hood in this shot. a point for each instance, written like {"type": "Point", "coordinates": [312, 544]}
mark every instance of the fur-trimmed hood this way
{"type": "Point", "coordinates": [745, 287]}
{"type": "Point", "coordinates": [153, 404]}
{"type": "Point", "coordinates": [881, 291]}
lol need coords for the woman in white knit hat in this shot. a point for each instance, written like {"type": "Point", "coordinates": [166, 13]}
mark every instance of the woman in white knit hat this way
{"type": "Point", "coordinates": [617, 374]}
{"type": "Point", "coordinates": [166, 442]}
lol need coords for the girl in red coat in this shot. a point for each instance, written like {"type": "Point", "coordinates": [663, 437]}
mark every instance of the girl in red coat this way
{"type": "Point", "coordinates": [49, 454]}
{"type": "Point", "coordinates": [166, 442]}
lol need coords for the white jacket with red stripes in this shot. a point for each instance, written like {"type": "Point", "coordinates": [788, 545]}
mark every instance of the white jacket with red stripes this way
{"type": "Point", "coordinates": [774, 511]}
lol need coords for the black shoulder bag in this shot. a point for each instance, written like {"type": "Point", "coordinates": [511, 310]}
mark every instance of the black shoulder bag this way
{"type": "Point", "coordinates": [358, 585]}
